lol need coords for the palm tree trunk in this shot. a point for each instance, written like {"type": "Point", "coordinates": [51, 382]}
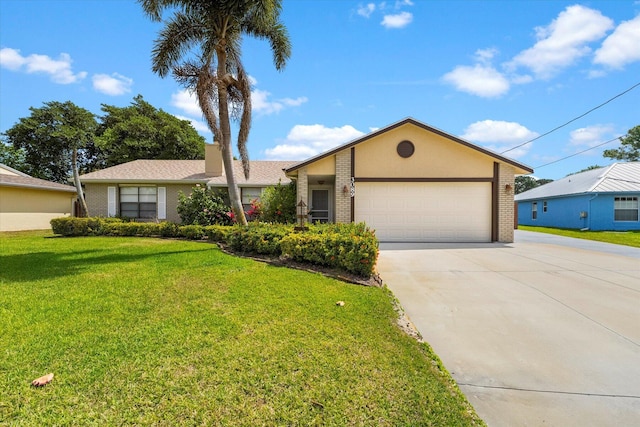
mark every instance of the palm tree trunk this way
{"type": "Point", "coordinates": [76, 181]}
{"type": "Point", "coordinates": [225, 144]}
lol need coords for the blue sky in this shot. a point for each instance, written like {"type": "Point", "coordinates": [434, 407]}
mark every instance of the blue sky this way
{"type": "Point", "coordinates": [497, 73]}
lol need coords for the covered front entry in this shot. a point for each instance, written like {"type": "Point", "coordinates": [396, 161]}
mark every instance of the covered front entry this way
{"type": "Point", "coordinates": [426, 211]}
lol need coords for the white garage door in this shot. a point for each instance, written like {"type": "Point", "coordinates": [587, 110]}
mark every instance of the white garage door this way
{"type": "Point", "coordinates": [426, 212]}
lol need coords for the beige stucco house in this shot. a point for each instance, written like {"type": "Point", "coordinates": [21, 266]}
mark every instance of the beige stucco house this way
{"type": "Point", "coordinates": [28, 203]}
{"type": "Point", "coordinates": [148, 189]}
{"type": "Point", "coordinates": [413, 183]}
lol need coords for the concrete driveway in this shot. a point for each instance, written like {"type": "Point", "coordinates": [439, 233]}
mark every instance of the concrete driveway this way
{"type": "Point", "coordinates": [544, 331]}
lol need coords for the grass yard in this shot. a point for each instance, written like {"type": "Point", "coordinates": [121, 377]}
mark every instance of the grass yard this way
{"type": "Point", "coordinates": [628, 238]}
{"type": "Point", "coordinates": [142, 331]}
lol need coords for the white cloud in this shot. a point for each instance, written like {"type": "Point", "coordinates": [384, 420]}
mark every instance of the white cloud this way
{"type": "Point", "coordinates": [198, 125]}
{"type": "Point", "coordinates": [563, 41]}
{"type": "Point", "coordinates": [399, 20]}
{"type": "Point", "coordinates": [305, 141]}
{"type": "Point", "coordinates": [590, 136]}
{"type": "Point", "coordinates": [622, 46]}
{"type": "Point", "coordinates": [58, 69]}
{"type": "Point", "coordinates": [114, 84]}
{"type": "Point", "coordinates": [500, 136]}
{"type": "Point", "coordinates": [481, 80]}
{"type": "Point", "coordinates": [187, 102]}
{"type": "Point", "coordinates": [366, 10]}
{"type": "Point", "coordinates": [262, 105]}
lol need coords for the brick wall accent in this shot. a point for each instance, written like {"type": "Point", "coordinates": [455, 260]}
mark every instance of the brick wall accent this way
{"type": "Point", "coordinates": [505, 203]}
{"type": "Point", "coordinates": [343, 178]}
{"type": "Point", "coordinates": [96, 197]}
{"type": "Point", "coordinates": [172, 200]}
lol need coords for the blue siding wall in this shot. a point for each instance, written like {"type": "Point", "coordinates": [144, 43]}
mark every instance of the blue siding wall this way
{"type": "Point", "coordinates": [561, 212]}
{"type": "Point", "coordinates": [602, 214]}
{"type": "Point", "coordinates": [564, 212]}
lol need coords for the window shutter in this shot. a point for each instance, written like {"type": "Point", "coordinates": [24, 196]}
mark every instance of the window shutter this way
{"type": "Point", "coordinates": [162, 202]}
{"type": "Point", "coordinates": [111, 201]}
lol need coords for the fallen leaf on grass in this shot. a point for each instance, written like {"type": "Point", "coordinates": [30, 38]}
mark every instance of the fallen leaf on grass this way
{"type": "Point", "coordinates": [38, 382]}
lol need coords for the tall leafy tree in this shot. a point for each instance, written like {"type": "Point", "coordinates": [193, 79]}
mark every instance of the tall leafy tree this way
{"type": "Point", "coordinates": [629, 150]}
{"type": "Point", "coordinates": [57, 141]}
{"type": "Point", "coordinates": [11, 156]}
{"type": "Point", "coordinates": [141, 131]}
{"type": "Point", "coordinates": [527, 182]}
{"type": "Point", "coordinates": [201, 45]}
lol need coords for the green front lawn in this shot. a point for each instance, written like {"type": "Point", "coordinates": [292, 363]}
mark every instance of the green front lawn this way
{"type": "Point", "coordinates": [142, 331]}
{"type": "Point", "coordinates": [628, 238]}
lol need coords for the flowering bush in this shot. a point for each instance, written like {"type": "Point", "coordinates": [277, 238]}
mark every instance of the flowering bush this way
{"type": "Point", "coordinates": [203, 206]}
{"type": "Point", "coordinates": [255, 210]}
{"type": "Point", "coordinates": [279, 204]}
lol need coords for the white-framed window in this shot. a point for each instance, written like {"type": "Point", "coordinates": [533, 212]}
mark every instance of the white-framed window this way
{"type": "Point", "coordinates": [138, 202]}
{"type": "Point", "coordinates": [534, 210]}
{"type": "Point", "coordinates": [544, 206]}
{"type": "Point", "coordinates": [625, 209]}
{"type": "Point", "coordinates": [250, 194]}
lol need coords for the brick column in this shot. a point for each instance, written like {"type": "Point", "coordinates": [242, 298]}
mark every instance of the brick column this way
{"type": "Point", "coordinates": [505, 203]}
{"type": "Point", "coordinates": [343, 178]}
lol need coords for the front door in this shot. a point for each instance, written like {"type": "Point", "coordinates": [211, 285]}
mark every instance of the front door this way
{"type": "Point", "coordinates": [320, 205]}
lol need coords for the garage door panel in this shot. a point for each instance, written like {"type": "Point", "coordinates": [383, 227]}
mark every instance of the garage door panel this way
{"type": "Point", "coordinates": [426, 212]}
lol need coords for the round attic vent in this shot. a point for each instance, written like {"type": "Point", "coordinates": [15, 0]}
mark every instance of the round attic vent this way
{"type": "Point", "coordinates": [406, 149]}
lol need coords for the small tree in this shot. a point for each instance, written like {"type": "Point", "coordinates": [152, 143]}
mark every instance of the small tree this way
{"type": "Point", "coordinates": [204, 206]}
{"type": "Point", "coordinates": [57, 141]}
{"type": "Point", "coordinates": [629, 150]}
{"type": "Point", "coordinates": [279, 204]}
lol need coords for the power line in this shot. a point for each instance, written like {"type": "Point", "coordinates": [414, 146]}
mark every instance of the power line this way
{"type": "Point", "coordinates": [583, 151]}
{"type": "Point", "coordinates": [573, 120]}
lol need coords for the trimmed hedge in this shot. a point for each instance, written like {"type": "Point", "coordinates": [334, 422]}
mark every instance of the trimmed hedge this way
{"type": "Point", "coordinates": [258, 238]}
{"type": "Point", "coordinates": [348, 247]}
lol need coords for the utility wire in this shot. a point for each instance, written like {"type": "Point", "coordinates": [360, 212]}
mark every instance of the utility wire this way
{"type": "Point", "coordinates": [573, 120]}
{"type": "Point", "coordinates": [583, 151]}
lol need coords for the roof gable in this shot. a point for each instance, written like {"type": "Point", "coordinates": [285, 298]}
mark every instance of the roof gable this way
{"type": "Point", "coordinates": [618, 177]}
{"type": "Point", "coordinates": [520, 168]}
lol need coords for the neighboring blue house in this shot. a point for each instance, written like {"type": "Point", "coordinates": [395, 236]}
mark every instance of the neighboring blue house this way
{"type": "Point", "coordinates": [598, 199]}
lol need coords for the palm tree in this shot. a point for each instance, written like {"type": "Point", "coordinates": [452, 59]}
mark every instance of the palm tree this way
{"type": "Point", "coordinates": [211, 31]}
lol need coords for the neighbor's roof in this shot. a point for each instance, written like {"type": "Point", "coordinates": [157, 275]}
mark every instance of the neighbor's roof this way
{"type": "Point", "coordinates": [616, 178]}
{"type": "Point", "coordinates": [188, 172]}
{"type": "Point", "coordinates": [409, 120]}
{"type": "Point", "coordinates": [22, 180]}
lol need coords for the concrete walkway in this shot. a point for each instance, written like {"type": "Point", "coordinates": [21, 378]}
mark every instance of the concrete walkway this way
{"type": "Point", "coordinates": [544, 331]}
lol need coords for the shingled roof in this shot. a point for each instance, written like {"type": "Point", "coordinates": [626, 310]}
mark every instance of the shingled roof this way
{"type": "Point", "coordinates": [615, 178]}
{"type": "Point", "coordinates": [15, 178]}
{"type": "Point", "coordinates": [262, 173]}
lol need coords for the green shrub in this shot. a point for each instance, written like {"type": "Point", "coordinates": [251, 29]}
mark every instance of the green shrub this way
{"type": "Point", "coordinates": [169, 229]}
{"type": "Point", "coordinates": [279, 204]}
{"type": "Point", "coordinates": [258, 238]}
{"type": "Point", "coordinates": [72, 226]}
{"type": "Point", "coordinates": [348, 247]}
{"type": "Point", "coordinates": [204, 206]}
{"type": "Point", "coordinates": [192, 232]}
{"type": "Point", "coordinates": [217, 233]}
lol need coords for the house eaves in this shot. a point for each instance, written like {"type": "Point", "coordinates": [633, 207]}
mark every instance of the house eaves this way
{"type": "Point", "coordinates": [26, 181]}
{"type": "Point", "coordinates": [526, 169]}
